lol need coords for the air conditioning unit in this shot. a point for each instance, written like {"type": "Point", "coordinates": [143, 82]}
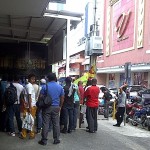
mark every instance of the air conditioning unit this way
{"type": "Point", "coordinates": [94, 46]}
{"type": "Point", "coordinates": [96, 43]}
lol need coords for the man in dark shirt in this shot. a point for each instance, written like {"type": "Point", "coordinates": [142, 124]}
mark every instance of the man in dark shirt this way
{"type": "Point", "coordinates": [92, 103]}
{"type": "Point", "coordinates": [68, 106]}
{"type": "Point", "coordinates": [107, 97]}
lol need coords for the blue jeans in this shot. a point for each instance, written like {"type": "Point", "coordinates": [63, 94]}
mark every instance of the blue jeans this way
{"type": "Point", "coordinates": [14, 110]}
{"type": "Point", "coordinates": [68, 112]}
{"type": "Point", "coordinates": [75, 114]}
{"type": "Point", "coordinates": [39, 120]}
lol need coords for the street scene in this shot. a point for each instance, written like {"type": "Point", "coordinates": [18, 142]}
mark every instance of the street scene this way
{"type": "Point", "coordinates": [75, 75]}
{"type": "Point", "coordinates": [107, 138]}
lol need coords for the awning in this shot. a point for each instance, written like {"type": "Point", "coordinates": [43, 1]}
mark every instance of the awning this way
{"type": "Point", "coordinates": [120, 69]}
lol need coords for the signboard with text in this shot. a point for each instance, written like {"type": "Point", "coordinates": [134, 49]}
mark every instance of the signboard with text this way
{"type": "Point", "coordinates": [123, 23]}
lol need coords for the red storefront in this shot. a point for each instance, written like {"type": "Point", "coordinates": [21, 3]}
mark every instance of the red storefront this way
{"type": "Point", "coordinates": [126, 39]}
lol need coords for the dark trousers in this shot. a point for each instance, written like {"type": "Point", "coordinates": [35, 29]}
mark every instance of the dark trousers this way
{"type": "Point", "coordinates": [91, 116]}
{"type": "Point", "coordinates": [75, 114]}
{"type": "Point", "coordinates": [106, 109]}
{"type": "Point", "coordinates": [39, 120]}
{"type": "Point", "coordinates": [50, 114]}
{"type": "Point", "coordinates": [4, 126]}
{"type": "Point", "coordinates": [14, 110]}
{"type": "Point", "coordinates": [120, 114]}
{"type": "Point", "coordinates": [68, 113]}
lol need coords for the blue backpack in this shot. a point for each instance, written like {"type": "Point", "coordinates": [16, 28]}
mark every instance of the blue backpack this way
{"type": "Point", "coordinates": [10, 95]}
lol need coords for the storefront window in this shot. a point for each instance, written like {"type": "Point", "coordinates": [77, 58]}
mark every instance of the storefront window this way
{"type": "Point", "coordinates": [140, 78]}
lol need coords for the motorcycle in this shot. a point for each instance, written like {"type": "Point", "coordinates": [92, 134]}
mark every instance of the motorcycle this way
{"type": "Point", "coordinates": [131, 106]}
{"type": "Point", "coordinates": [142, 117]}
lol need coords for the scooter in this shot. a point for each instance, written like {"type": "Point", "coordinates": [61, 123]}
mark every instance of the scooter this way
{"type": "Point", "coordinates": [131, 106]}
{"type": "Point", "coordinates": [142, 117]}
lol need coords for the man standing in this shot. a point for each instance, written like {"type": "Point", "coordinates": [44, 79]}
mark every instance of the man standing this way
{"type": "Point", "coordinates": [15, 109]}
{"type": "Point", "coordinates": [52, 112]}
{"type": "Point", "coordinates": [29, 105]}
{"type": "Point", "coordinates": [107, 97]}
{"type": "Point", "coordinates": [121, 107]}
{"type": "Point", "coordinates": [91, 95]}
{"type": "Point", "coordinates": [68, 106]}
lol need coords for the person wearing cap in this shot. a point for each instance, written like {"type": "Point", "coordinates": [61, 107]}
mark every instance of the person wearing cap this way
{"type": "Point", "coordinates": [39, 111]}
{"type": "Point", "coordinates": [121, 107]}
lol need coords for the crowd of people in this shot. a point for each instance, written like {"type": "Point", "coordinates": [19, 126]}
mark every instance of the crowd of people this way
{"type": "Point", "coordinates": [61, 116]}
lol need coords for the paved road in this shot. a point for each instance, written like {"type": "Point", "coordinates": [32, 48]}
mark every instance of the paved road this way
{"type": "Point", "coordinates": [107, 138]}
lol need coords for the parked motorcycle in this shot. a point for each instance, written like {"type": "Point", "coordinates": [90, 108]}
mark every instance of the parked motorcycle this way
{"type": "Point", "coordinates": [131, 106]}
{"type": "Point", "coordinates": [142, 117]}
{"type": "Point", "coordinates": [131, 109]}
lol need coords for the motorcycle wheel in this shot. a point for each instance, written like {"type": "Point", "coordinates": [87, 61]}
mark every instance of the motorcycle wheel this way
{"type": "Point", "coordinates": [148, 124]}
{"type": "Point", "coordinates": [134, 123]}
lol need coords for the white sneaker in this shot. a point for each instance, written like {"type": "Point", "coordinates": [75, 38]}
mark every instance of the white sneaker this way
{"type": "Point", "coordinates": [12, 134]}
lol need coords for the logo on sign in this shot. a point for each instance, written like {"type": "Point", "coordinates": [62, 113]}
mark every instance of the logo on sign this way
{"type": "Point", "coordinates": [121, 25]}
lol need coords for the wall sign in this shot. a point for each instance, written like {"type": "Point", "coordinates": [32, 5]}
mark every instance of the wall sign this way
{"type": "Point", "coordinates": [121, 25]}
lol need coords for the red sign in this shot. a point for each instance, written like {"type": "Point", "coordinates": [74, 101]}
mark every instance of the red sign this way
{"type": "Point", "coordinates": [123, 25]}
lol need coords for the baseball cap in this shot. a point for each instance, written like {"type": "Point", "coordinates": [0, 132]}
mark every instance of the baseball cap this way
{"type": "Point", "coordinates": [43, 81]}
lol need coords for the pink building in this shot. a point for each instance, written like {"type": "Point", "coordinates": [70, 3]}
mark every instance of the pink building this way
{"type": "Point", "coordinates": [126, 39]}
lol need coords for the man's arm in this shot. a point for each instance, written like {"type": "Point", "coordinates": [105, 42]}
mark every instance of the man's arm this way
{"type": "Point", "coordinates": [30, 102]}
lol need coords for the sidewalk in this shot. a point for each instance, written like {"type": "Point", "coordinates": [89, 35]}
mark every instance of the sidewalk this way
{"type": "Point", "coordinates": [128, 129]}
{"type": "Point", "coordinates": [107, 137]}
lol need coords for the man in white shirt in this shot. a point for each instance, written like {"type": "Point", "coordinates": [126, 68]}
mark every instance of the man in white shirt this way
{"type": "Point", "coordinates": [14, 110]}
{"type": "Point", "coordinates": [29, 105]}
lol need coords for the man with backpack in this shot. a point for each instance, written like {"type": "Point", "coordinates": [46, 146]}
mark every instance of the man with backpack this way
{"type": "Point", "coordinates": [12, 102]}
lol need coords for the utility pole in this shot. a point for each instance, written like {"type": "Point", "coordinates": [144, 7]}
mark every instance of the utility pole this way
{"type": "Point", "coordinates": [93, 58]}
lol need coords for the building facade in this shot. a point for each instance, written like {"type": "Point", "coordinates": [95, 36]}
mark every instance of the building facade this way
{"type": "Point", "coordinates": [126, 40]}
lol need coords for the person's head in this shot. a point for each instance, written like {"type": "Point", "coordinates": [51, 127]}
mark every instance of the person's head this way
{"type": "Point", "coordinates": [94, 81]}
{"type": "Point", "coordinates": [52, 77]}
{"type": "Point", "coordinates": [43, 81]}
{"type": "Point", "coordinates": [89, 82]}
{"type": "Point", "coordinates": [80, 83]}
{"type": "Point", "coordinates": [104, 90]}
{"type": "Point", "coordinates": [10, 78]}
{"type": "Point", "coordinates": [31, 78]}
{"type": "Point", "coordinates": [4, 77]}
{"type": "Point", "coordinates": [68, 80]}
{"type": "Point", "coordinates": [16, 78]}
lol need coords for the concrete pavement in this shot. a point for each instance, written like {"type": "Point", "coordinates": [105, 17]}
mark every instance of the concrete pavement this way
{"type": "Point", "coordinates": [107, 138]}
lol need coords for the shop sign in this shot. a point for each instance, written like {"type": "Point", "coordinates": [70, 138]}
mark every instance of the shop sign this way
{"type": "Point", "coordinates": [123, 21]}
{"type": "Point", "coordinates": [121, 25]}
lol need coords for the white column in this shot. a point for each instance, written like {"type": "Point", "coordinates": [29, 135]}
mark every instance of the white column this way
{"type": "Point", "coordinates": [68, 48]}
